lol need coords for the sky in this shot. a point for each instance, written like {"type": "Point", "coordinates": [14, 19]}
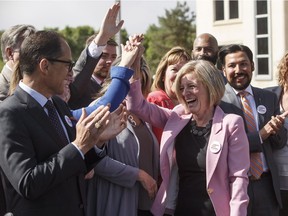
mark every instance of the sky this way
{"type": "Point", "coordinates": [137, 14]}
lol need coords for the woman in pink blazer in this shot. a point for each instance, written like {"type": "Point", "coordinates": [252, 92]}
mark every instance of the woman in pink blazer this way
{"type": "Point", "coordinates": [204, 153]}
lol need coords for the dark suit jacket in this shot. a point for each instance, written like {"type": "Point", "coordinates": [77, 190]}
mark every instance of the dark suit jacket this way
{"type": "Point", "coordinates": [277, 90]}
{"type": "Point", "coordinates": [231, 104]}
{"type": "Point", "coordinates": [84, 86]}
{"type": "Point", "coordinates": [42, 175]}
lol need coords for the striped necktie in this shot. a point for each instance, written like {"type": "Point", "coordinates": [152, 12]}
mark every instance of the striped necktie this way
{"type": "Point", "coordinates": [256, 163]}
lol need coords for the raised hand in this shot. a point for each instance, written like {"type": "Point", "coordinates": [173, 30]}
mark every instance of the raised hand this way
{"type": "Point", "coordinates": [136, 66]}
{"type": "Point", "coordinates": [109, 27]}
{"type": "Point", "coordinates": [130, 50]}
{"type": "Point", "coordinates": [89, 128]}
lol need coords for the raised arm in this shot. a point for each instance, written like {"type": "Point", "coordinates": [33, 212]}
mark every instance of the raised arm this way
{"type": "Point", "coordinates": [119, 86]}
{"type": "Point", "coordinates": [86, 63]}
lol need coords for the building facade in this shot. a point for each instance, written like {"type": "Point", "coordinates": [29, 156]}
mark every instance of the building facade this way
{"type": "Point", "coordinates": [260, 25]}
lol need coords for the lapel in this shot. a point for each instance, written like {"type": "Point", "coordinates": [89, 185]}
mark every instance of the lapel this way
{"type": "Point", "coordinates": [215, 144]}
{"type": "Point", "coordinates": [174, 125]}
{"type": "Point", "coordinates": [259, 100]}
{"type": "Point", "coordinates": [37, 112]}
{"type": "Point", "coordinates": [231, 101]}
{"type": "Point", "coordinates": [278, 91]}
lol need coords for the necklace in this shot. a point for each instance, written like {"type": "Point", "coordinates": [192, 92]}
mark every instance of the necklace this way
{"type": "Point", "coordinates": [200, 131]}
{"type": "Point", "coordinates": [132, 121]}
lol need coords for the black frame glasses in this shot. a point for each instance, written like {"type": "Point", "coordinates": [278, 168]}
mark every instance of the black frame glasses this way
{"type": "Point", "coordinates": [70, 66]}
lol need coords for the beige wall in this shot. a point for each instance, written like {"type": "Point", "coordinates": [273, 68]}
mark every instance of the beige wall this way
{"type": "Point", "coordinates": [242, 30]}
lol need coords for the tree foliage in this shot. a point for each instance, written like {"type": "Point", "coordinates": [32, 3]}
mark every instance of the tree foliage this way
{"type": "Point", "coordinates": [176, 28]}
{"type": "Point", "coordinates": [1, 59]}
{"type": "Point", "coordinates": [76, 38]}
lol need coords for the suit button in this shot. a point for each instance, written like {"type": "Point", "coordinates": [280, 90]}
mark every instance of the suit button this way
{"type": "Point", "coordinates": [81, 206]}
{"type": "Point", "coordinates": [210, 191]}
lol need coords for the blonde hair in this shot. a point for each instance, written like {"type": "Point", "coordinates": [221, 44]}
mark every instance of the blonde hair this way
{"type": "Point", "coordinates": [173, 56]}
{"type": "Point", "coordinates": [15, 79]}
{"type": "Point", "coordinates": [208, 74]}
{"type": "Point", "coordinates": [283, 71]}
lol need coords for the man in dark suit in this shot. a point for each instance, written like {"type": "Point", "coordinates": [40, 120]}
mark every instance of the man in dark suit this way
{"type": "Point", "coordinates": [87, 83]}
{"type": "Point", "coordinates": [238, 66]}
{"type": "Point", "coordinates": [42, 173]}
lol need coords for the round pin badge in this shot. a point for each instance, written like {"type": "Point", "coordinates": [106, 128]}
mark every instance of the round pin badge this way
{"type": "Point", "coordinates": [261, 109]}
{"type": "Point", "coordinates": [215, 147]}
{"type": "Point", "coordinates": [69, 122]}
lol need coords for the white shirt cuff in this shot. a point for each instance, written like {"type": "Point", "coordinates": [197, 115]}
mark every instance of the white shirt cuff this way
{"type": "Point", "coordinates": [94, 50]}
{"type": "Point", "coordinates": [82, 155]}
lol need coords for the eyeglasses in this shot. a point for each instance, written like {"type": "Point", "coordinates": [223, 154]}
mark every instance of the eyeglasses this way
{"type": "Point", "coordinates": [70, 66]}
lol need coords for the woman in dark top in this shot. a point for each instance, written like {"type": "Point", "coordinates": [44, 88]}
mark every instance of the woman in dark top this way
{"type": "Point", "coordinates": [204, 153]}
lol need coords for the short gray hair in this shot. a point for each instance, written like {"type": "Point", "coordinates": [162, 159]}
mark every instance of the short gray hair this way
{"type": "Point", "coordinates": [14, 36]}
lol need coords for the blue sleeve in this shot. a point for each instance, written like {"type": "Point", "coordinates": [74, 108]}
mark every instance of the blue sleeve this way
{"type": "Point", "coordinates": [116, 92]}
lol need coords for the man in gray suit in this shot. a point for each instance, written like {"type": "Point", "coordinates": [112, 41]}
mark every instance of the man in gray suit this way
{"type": "Point", "coordinates": [11, 41]}
{"type": "Point", "coordinates": [238, 66]}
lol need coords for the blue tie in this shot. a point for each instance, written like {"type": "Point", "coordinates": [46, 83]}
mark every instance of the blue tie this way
{"type": "Point", "coordinates": [52, 113]}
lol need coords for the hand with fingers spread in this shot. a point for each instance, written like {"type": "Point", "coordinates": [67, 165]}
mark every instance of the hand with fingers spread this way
{"type": "Point", "coordinates": [117, 122]}
{"type": "Point", "coordinates": [109, 27]}
{"type": "Point", "coordinates": [89, 128]}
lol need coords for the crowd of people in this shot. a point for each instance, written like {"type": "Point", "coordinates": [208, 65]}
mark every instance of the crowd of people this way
{"type": "Point", "coordinates": [100, 137]}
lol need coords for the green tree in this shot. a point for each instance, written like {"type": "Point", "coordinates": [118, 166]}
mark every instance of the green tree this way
{"type": "Point", "coordinates": [176, 28]}
{"type": "Point", "coordinates": [1, 59]}
{"type": "Point", "coordinates": [76, 38]}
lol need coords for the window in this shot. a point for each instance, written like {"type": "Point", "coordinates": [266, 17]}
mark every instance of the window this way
{"type": "Point", "coordinates": [226, 9]}
{"type": "Point", "coordinates": [219, 10]}
{"type": "Point", "coordinates": [233, 9]}
{"type": "Point", "coordinates": [263, 54]}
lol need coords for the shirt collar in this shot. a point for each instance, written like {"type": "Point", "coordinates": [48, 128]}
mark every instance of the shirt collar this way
{"type": "Point", "coordinates": [97, 79]}
{"type": "Point", "coordinates": [248, 89]}
{"type": "Point", "coordinates": [41, 99]}
{"type": "Point", "coordinates": [8, 67]}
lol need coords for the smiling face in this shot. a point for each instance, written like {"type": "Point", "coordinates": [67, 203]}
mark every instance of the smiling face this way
{"type": "Point", "coordinates": [205, 47]}
{"type": "Point", "coordinates": [104, 64]}
{"type": "Point", "coordinates": [170, 76]}
{"type": "Point", "coordinates": [238, 70]}
{"type": "Point", "coordinates": [195, 95]}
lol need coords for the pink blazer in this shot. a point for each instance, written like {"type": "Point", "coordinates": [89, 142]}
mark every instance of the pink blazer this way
{"type": "Point", "coordinates": [227, 158]}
